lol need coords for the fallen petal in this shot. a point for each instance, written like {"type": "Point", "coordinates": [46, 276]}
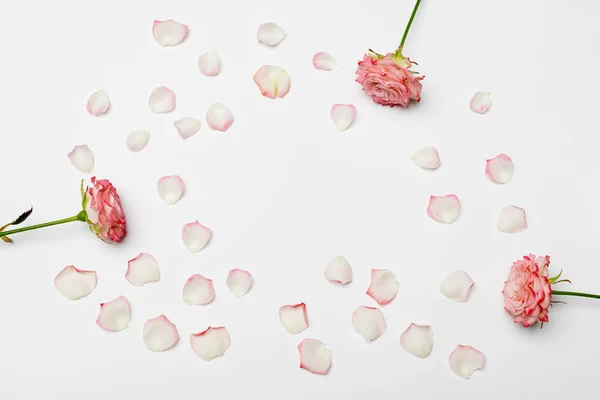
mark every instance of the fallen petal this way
{"type": "Point", "coordinates": [294, 318]}
{"type": "Point", "coordinates": [114, 315]}
{"type": "Point", "coordinates": [142, 269]}
{"type": "Point", "coordinates": [270, 34]}
{"type": "Point", "coordinates": [384, 286]}
{"type": "Point", "coordinates": [368, 322]}
{"type": "Point", "coordinates": [273, 81]}
{"type": "Point", "coordinates": [239, 282]}
{"type": "Point", "coordinates": [444, 209]}
{"type": "Point", "coordinates": [219, 117]}
{"type": "Point", "coordinates": [209, 63]}
{"type": "Point", "coordinates": [339, 270]}
{"type": "Point", "coordinates": [322, 60]}
{"type": "Point", "coordinates": [480, 102]}
{"type": "Point", "coordinates": [195, 236]}
{"type": "Point", "coordinates": [426, 158]}
{"type": "Point", "coordinates": [499, 169]}
{"type": "Point", "coordinates": [211, 343]}
{"type": "Point", "coordinates": [160, 334]}
{"type": "Point", "coordinates": [315, 357]}
{"type": "Point", "coordinates": [457, 286]}
{"type": "Point", "coordinates": [512, 220]}
{"type": "Point", "coordinates": [82, 158]}
{"type": "Point", "coordinates": [169, 33]}
{"type": "Point", "coordinates": [170, 188]}
{"type": "Point", "coordinates": [74, 283]}
{"type": "Point", "coordinates": [198, 291]}
{"type": "Point", "coordinates": [162, 100]}
{"type": "Point", "coordinates": [98, 103]}
{"type": "Point", "coordinates": [187, 127]}
{"type": "Point", "coordinates": [417, 340]}
{"type": "Point", "coordinates": [342, 115]}
{"type": "Point", "coordinates": [137, 140]}
{"type": "Point", "coordinates": [465, 360]}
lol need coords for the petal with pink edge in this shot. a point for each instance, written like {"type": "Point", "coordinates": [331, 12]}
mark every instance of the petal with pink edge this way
{"type": "Point", "coordinates": [273, 81]}
{"type": "Point", "coordinates": [339, 270]}
{"type": "Point", "coordinates": [457, 286]}
{"type": "Point", "coordinates": [426, 158]}
{"type": "Point", "coordinates": [169, 33]}
{"type": "Point", "coordinates": [160, 334]}
{"type": "Point", "coordinates": [368, 322]}
{"type": "Point", "coordinates": [195, 236]}
{"type": "Point", "coordinates": [142, 269]}
{"type": "Point", "coordinates": [209, 63]}
{"type": "Point", "coordinates": [342, 115]}
{"type": "Point", "coordinates": [187, 127]}
{"type": "Point", "coordinates": [198, 291]}
{"type": "Point", "coordinates": [219, 117]}
{"type": "Point", "coordinates": [417, 340]}
{"type": "Point", "coordinates": [170, 188]}
{"type": "Point", "coordinates": [315, 357]}
{"type": "Point", "coordinates": [270, 34]}
{"type": "Point", "coordinates": [239, 282]}
{"type": "Point", "coordinates": [114, 315]}
{"type": "Point", "coordinates": [162, 100]}
{"type": "Point", "coordinates": [499, 169]}
{"type": "Point", "coordinates": [325, 61]}
{"type": "Point", "coordinates": [74, 283]}
{"type": "Point", "coordinates": [82, 158]}
{"type": "Point", "coordinates": [384, 286]}
{"type": "Point", "coordinates": [512, 219]}
{"type": "Point", "coordinates": [444, 209]}
{"type": "Point", "coordinates": [480, 102]}
{"type": "Point", "coordinates": [211, 343]}
{"type": "Point", "coordinates": [98, 103]}
{"type": "Point", "coordinates": [137, 140]}
{"type": "Point", "coordinates": [465, 360]}
{"type": "Point", "coordinates": [294, 318]}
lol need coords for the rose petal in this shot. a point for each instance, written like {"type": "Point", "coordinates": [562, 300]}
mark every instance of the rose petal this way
{"type": "Point", "coordinates": [169, 33]}
{"type": "Point", "coordinates": [294, 318]}
{"type": "Point", "coordinates": [209, 63]}
{"type": "Point", "coordinates": [82, 158]}
{"type": "Point", "coordinates": [187, 127]}
{"type": "Point", "coordinates": [384, 286]}
{"type": "Point", "coordinates": [444, 209]}
{"type": "Point", "coordinates": [465, 360]}
{"type": "Point", "coordinates": [74, 283]}
{"type": "Point", "coordinates": [219, 117]}
{"type": "Point", "coordinates": [160, 334]}
{"type": "Point", "coordinates": [322, 60]}
{"type": "Point", "coordinates": [315, 357]}
{"type": "Point", "coordinates": [480, 102]}
{"type": "Point", "coordinates": [270, 34]}
{"type": "Point", "coordinates": [457, 286]}
{"type": "Point", "coordinates": [211, 343]}
{"type": "Point", "coordinates": [137, 140]}
{"type": "Point", "coordinates": [98, 103]}
{"type": "Point", "coordinates": [198, 291]}
{"type": "Point", "coordinates": [339, 270]}
{"type": "Point", "coordinates": [114, 315]}
{"type": "Point", "coordinates": [512, 219]}
{"type": "Point", "coordinates": [499, 169]}
{"type": "Point", "coordinates": [170, 188]}
{"type": "Point", "coordinates": [273, 81]}
{"type": "Point", "coordinates": [417, 340]}
{"type": "Point", "coordinates": [368, 322]}
{"type": "Point", "coordinates": [426, 158]}
{"type": "Point", "coordinates": [342, 115]}
{"type": "Point", "coordinates": [239, 282]}
{"type": "Point", "coordinates": [142, 269]}
{"type": "Point", "coordinates": [162, 100]}
{"type": "Point", "coordinates": [195, 236]}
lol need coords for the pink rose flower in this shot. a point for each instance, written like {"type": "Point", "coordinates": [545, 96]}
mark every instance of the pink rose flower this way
{"type": "Point", "coordinates": [105, 215]}
{"type": "Point", "coordinates": [527, 292]}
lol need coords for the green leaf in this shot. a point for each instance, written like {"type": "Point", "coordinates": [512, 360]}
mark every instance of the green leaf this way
{"type": "Point", "coordinates": [554, 279]}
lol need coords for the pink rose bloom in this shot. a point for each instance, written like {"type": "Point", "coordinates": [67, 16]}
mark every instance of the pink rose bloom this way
{"type": "Point", "coordinates": [387, 81]}
{"type": "Point", "coordinates": [105, 215]}
{"type": "Point", "coordinates": [527, 292]}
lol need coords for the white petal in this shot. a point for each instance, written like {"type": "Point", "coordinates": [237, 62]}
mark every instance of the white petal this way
{"type": "Point", "coordinates": [239, 282]}
{"type": "Point", "coordinates": [209, 63]}
{"type": "Point", "coordinates": [342, 115]}
{"type": "Point", "coordinates": [322, 60]}
{"type": "Point", "coordinates": [270, 34]}
{"type": "Point", "coordinates": [160, 334]}
{"type": "Point", "coordinates": [294, 318]}
{"type": "Point", "coordinates": [444, 209]}
{"type": "Point", "coordinates": [82, 158]}
{"type": "Point", "coordinates": [74, 283]}
{"type": "Point", "coordinates": [384, 286]}
{"type": "Point", "coordinates": [195, 236]}
{"type": "Point", "coordinates": [198, 291]}
{"type": "Point", "coordinates": [169, 33]}
{"type": "Point", "coordinates": [315, 357]}
{"type": "Point", "coordinates": [480, 102]}
{"type": "Point", "coordinates": [512, 220]}
{"type": "Point", "coordinates": [137, 140]}
{"type": "Point", "coordinates": [170, 188]}
{"type": "Point", "coordinates": [427, 158]}
{"type": "Point", "coordinates": [499, 169]}
{"type": "Point", "coordinates": [457, 286]}
{"type": "Point", "coordinates": [219, 117]}
{"type": "Point", "coordinates": [142, 269]}
{"type": "Point", "coordinates": [273, 81]}
{"type": "Point", "coordinates": [417, 340]}
{"type": "Point", "coordinates": [339, 270]}
{"type": "Point", "coordinates": [187, 127]}
{"type": "Point", "coordinates": [368, 322]}
{"type": "Point", "coordinates": [162, 100]}
{"type": "Point", "coordinates": [211, 343]}
{"type": "Point", "coordinates": [465, 360]}
{"type": "Point", "coordinates": [114, 315]}
{"type": "Point", "coordinates": [98, 103]}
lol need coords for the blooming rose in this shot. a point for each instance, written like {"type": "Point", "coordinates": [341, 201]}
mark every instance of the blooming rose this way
{"type": "Point", "coordinates": [527, 292]}
{"type": "Point", "coordinates": [105, 216]}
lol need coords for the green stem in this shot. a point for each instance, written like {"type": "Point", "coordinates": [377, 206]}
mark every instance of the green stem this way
{"type": "Point", "coordinates": [82, 216]}
{"type": "Point", "coordinates": [578, 294]}
{"type": "Point", "coordinates": [410, 21]}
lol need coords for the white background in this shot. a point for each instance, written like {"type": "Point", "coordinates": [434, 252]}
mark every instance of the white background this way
{"type": "Point", "coordinates": [284, 192]}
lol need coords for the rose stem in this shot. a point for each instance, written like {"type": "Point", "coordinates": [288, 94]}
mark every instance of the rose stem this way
{"type": "Point", "coordinates": [410, 21]}
{"type": "Point", "coordinates": [578, 294]}
{"type": "Point", "coordinates": [82, 216]}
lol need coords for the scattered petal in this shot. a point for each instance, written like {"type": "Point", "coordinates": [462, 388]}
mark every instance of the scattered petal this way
{"type": "Point", "coordinates": [209, 63]}
{"type": "Point", "coordinates": [142, 269]}
{"type": "Point", "coordinates": [74, 283]}
{"type": "Point", "coordinates": [339, 270]}
{"type": "Point", "coordinates": [273, 81]}
{"type": "Point", "coordinates": [82, 158]}
{"type": "Point", "coordinates": [162, 100]}
{"type": "Point", "coordinates": [219, 117]}
{"type": "Point", "coordinates": [444, 209]}
{"type": "Point", "coordinates": [239, 282]}
{"type": "Point", "coordinates": [457, 286]}
{"type": "Point", "coordinates": [114, 315]}
{"type": "Point", "coordinates": [480, 102]}
{"type": "Point", "coordinates": [137, 140]}
{"type": "Point", "coordinates": [187, 127]}
{"type": "Point", "coordinates": [322, 60]}
{"type": "Point", "coordinates": [315, 357]}
{"type": "Point", "coordinates": [169, 33]}
{"type": "Point", "coordinates": [384, 286]}
{"type": "Point", "coordinates": [294, 318]}
{"type": "Point", "coordinates": [417, 340]}
{"type": "Point", "coordinates": [195, 236]}
{"type": "Point", "coordinates": [198, 291]}
{"type": "Point", "coordinates": [98, 103]}
{"type": "Point", "coordinates": [342, 115]}
{"type": "Point", "coordinates": [211, 343]}
{"type": "Point", "coordinates": [369, 322]}
{"type": "Point", "coordinates": [464, 360]}
{"type": "Point", "coordinates": [426, 158]}
{"type": "Point", "coordinates": [160, 334]}
{"type": "Point", "coordinates": [170, 188]}
{"type": "Point", "coordinates": [270, 34]}
{"type": "Point", "coordinates": [499, 169]}
{"type": "Point", "coordinates": [512, 220]}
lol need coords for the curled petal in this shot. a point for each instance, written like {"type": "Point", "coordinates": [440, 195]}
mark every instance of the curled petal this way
{"type": "Point", "coordinates": [444, 209]}
{"type": "Point", "coordinates": [162, 100]}
{"type": "Point", "coordinates": [98, 103]}
{"type": "Point", "coordinates": [82, 158]}
{"type": "Point", "coordinates": [368, 322]}
{"type": "Point", "coordinates": [169, 33]}
{"type": "Point", "coordinates": [512, 220]}
{"type": "Point", "coordinates": [239, 282]}
{"type": "Point", "coordinates": [322, 60]}
{"type": "Point", "coordinates": [114, 315]}
{"type": "Point", "coordinates": [195, 236]}
{"type": "Point", "coordinates": [270, 34]}
{"type": "Point", "coordinates": [499, 169]}
{"type": "Point", "coordinates": [464, 360]}
{"type": "Point", "coordinates": [209, 63]}
{"type": "Point", "coordinates": [142, 269]}
{"type": "Point", "coordinates": [339, 270]}
{"type": "Point", "coordinates": [426, 158]}
{"type": "Point", "coordinates": [480, 102]}
{"type": "Point", "coordinates": [384, 286]}
{"type": "Point", "coordinates": [211, 343]}
{"type": "Point", "coordinates": [294, 318]}
{"type": "Point", "coordinates": [160, 334]}
{"type": "Point", "coordinates": [315, 357]}
{"type": "Point", "coordinates": [457, 286]}
{"type": "Point", "coordinates": [219, 117]}
{"type": "Point", "coordinates": [417, 340]}
{"type": "Point", "coordinates": [342, 115]}
{"type": "Point", "coordinates": [74, 283]}
{"type": "Point", "coordinates": [137, 140]}
{"type": "Point", "coordinates": [273, 81]}
{"type": "Point", "coordinates": [198, 291]}
{"type": "Point", "coordinates": [187, 127]}
{"type": "Point", "coordinates": [170, 188]}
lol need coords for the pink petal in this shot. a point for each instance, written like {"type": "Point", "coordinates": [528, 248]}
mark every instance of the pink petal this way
{"type": "Point", "coordinates": [187, 127]}
{"type": "Point", "coordinates": [273, 81]}
{"type": "Point", "coordinates": [384, 286]}
{"type": "Point", "coordinates": [444, 209]}
{"type": "Point", "coordinates": [170, 188]}
{"type": "Point", "coordinates": [512, 220]}
{"type": "Point", "coordinates": [499, 169]}
{"type": "Point", "coordinates": [294, 318]}
{"type": "Point", "coordinates": [142, 269]}
{"type": "Point", "coordinates": [82, 158]}
{"type": "Point", "coordinates": [315, 357]}
{"type": "Point", "coordinates": [198, 291]}
{"type": "Point", "coordinates": [74, 283]}
{"type": "Point", "coordinates": [211, 343]}
{"type": "Point", "coordinates": [209, 63]}
{"type": "Point", "coordinates": [195, 236]}
{"type": "Point", "coordinates": [169, 33]}
{"type": "Point", "coordinates": [98, 103]}
{"type": "Point", "coordinates": [368, 322]}
{"type": "Point", "coordinates": [322, 60]}
{"type": "Point", "coordinates": [270, 34]}
{"type": "Point", "coordinates": [342, 115]}
{"type": "Point", "coordinates": [219, 117]}
{"type": "Point", "coordinates": [417, 340]}
{"type": "Point", "coordinates": [162, 100]}
{"type": "Point", "coordinates": [160, 334]}
{"type": "Point", "coordinates": [114, 315]}
{"type": "Point", "coordinates": [480, 102]}
{"type": "Point", "coordinates": [465, 360]}
{"type": "Point", "coordinates": [426, 158]}
{"type": "Point", "coordinates": [339, 270]}
{"type": "Point", "coordinates": [457, 286]}
{"type": "Point", "coordinates": [239, 282]}
{"type": "Point", "coordinates": [137, 140]}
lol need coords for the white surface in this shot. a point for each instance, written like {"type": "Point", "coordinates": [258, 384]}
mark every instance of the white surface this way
{"type": "Point", "coordinates": [284, 192]}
